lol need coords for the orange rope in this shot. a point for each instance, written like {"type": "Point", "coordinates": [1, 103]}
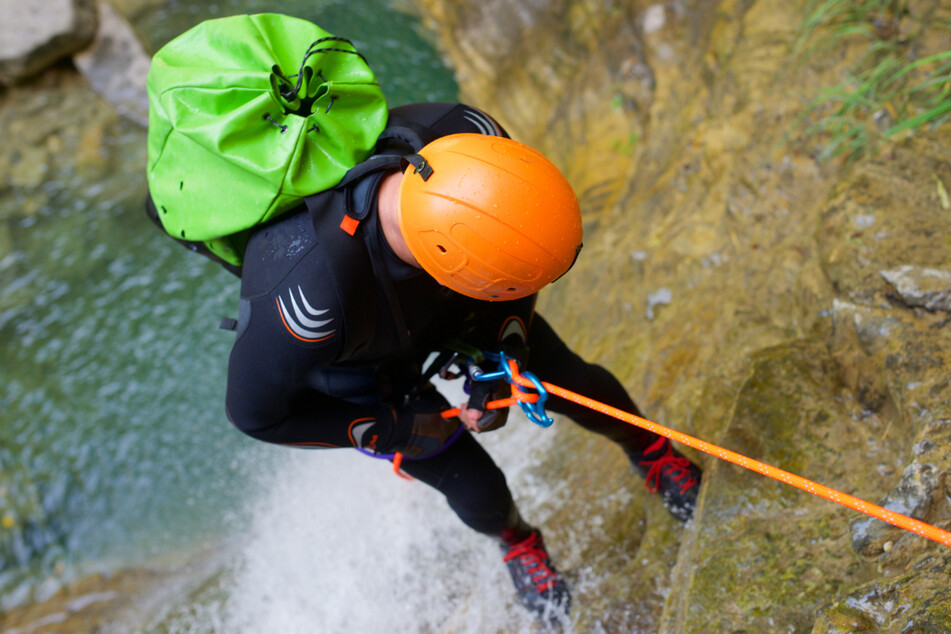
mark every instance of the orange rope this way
{"type": "Point", "coordinates": [896, 519]}
{"type": "Point", "coordinates": [499, 404]}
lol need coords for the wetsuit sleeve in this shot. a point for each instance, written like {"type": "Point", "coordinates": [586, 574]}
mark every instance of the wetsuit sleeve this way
{"type": "Point", "coordinates": [269, 398]}
{"type": "Point", "coordinates": [290, 326]}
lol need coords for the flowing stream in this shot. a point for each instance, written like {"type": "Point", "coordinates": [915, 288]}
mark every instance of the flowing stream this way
{"type": "Point", "coordinates": [114, 448]}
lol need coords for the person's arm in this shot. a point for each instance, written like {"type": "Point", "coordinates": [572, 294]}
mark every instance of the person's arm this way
{"type": "Point", "coordinates": [267, 400]}
{"type": "Point", "coordinates": [269, 396]}
{"type": "Point", "coordinates": [290, 326]}
{"type": "Point", "coordinates": [290, 331]}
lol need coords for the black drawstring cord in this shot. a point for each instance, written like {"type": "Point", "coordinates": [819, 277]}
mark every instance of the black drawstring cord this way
{"type": "Point", "coordinates": [267, 116]}
{"type": "Point", "coordinates": [292, 94]}
{"type": "Point", "coordinates": [304, 73]}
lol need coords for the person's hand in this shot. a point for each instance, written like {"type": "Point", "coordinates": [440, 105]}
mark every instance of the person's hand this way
{"type": "Point", "coordinates": [475, 415]}
{"type": "Point", "coordinates": [478, 421]}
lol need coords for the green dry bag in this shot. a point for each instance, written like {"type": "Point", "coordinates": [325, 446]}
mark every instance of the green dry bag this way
{"type": "Point", "coordinates": [247, 116]}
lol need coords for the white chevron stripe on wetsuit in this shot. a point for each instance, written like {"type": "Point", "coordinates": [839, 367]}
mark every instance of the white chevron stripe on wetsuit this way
{"type": "Point", "coordinates": [300, 324]}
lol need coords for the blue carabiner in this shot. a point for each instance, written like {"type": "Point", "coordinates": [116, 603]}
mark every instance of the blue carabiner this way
{"type": "Point", "coordinates": [534, 411]}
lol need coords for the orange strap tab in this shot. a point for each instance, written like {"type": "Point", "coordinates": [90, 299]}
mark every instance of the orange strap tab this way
{"type": "Point", "coordinates": [349, 224]}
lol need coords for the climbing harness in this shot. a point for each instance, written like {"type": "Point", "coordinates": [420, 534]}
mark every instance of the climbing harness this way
{"type": "Point", "coordinates": [397, 458]}
{"type": "Point", "coordinates": [532, 403]}
{"type": "Point", "coordinates": [530, 394]}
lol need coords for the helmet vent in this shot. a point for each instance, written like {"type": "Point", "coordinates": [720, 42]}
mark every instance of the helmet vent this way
{"type": "Point", "coordinates": [441, 248]}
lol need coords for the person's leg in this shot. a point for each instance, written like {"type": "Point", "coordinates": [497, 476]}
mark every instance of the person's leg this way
{"type": "Point", "coordinates": [474, 486]}
{"type": "Point", "coordinates": [476, 490]}
{"type": "Point", "coordinates": [554, 362]}
{"type": "Point", "coordinates": [665, 469]}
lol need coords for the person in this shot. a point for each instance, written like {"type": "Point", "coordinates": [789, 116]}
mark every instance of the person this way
{"type": "Point", "coordinates": [449, 248]}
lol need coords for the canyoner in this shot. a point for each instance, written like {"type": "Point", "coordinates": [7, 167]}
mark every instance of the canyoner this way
{"type": "Point", "coordinates": [368, 238]}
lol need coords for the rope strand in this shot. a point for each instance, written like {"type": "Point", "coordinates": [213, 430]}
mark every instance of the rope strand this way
{"type": "Point", "coordinates": [873, 510]}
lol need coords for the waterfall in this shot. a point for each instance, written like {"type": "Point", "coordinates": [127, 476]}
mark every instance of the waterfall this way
{"type": "Point", "coordinates": [336, 542]}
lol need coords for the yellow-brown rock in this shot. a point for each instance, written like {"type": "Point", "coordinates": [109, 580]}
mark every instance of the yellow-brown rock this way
{"type": "Point", "coordinates": [741, 290]}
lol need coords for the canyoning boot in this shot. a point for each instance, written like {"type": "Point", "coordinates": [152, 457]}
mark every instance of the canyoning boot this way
{"type": "Point", "coordinates": [539, 586]}
{"type": "Point", "coordinates": [668, 472]}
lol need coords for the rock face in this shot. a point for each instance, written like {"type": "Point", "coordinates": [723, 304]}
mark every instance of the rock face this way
{"type": "Point", "coordinates": [927, 288]}
{"type": "Point", "coordinates": [792, 311]}
{"type": "Point", "coordinates": [116, 66]}
{"type": "Point", "coordinates": [34, 35]}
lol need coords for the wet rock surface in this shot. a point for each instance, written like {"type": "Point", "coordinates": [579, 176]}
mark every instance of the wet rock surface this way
{"type": "Point", "coordinates": [116, 66]}
{"type": "Point", "coordinates": [748, 295]}
{"type": "Point", "coordinates": [35, 35]}
{"type": "Point", "coordinates": [909, 602]}
{"type": "Point", "coordinates": [119, 602]}
{"type": "Point", "coordinates": [792, 311]}
{"type": "Point", "coordinates": [916, 492]}
{"type": "Point", "coordinates": [926, 288]}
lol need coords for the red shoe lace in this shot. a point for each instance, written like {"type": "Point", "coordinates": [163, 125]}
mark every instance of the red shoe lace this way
{"type": "Point", "coordinates": [533, 560]}
{"type": "Point", "coordinates": [677, 466]}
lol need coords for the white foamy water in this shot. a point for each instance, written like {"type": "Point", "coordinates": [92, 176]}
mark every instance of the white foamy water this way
{"type": "Point", "coordinates": [338, 543]}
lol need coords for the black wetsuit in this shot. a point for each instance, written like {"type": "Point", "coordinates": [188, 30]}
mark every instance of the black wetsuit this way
{"type": "Point", "coordinates": [303, 373]}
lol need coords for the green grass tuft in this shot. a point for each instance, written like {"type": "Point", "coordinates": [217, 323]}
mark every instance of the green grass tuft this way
{"type": "Point", "coordinates": [887, 91]}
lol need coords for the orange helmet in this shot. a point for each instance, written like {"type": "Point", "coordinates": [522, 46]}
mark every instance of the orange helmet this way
{"type": "Point", "coordinates": [488, 217]}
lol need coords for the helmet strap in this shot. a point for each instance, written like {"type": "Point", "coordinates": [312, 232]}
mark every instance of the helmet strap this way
{"type": "Point", "coordinates": [420, 165]}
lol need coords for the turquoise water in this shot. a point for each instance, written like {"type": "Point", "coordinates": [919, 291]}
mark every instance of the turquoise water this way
{"type": "Point", "coordinates": [395, 44]}
{"type": "Point", "coordinates": [114, 447]}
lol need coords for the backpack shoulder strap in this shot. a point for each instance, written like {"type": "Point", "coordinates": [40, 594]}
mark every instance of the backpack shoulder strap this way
{"type": "Point", "coordinates": [400, 137]}
{"type": "Point", "coordinates": [400, 131]}
{"type": "Point", "coordinates": [348, 256]}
